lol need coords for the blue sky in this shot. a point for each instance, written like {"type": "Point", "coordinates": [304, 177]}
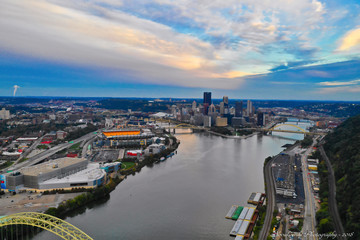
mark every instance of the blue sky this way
{"type": "Point", "coordinates": [258, 49]}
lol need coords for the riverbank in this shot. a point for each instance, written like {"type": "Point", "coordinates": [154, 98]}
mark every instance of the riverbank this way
{"type": "Point", "coordinates": [96, 194]}
{"type": "Point", "coordinates": [185, 197]}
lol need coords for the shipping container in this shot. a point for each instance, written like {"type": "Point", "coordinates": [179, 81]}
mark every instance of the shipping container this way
{"type": "Point", "coordinates": [236, 228]}
{"type": "Point", "coordinates": [243, 213]}
{"type": "Point", "coordinates": [243, 228]}
{"type": "Point", "coordinates": [239, 237]}
{"type": "Point", "coordinates": [231, 211]}
{"type": "Point", "coordinates": [249, 214]}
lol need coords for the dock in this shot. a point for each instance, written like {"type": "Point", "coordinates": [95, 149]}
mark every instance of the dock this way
{"type": "Point", "coordinates": [245, 217]}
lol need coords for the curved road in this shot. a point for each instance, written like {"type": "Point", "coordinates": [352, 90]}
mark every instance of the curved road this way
{"type": "Point", "coordinates": [332, 197]}
{"type": "Point", "coordinates": [270, 199]}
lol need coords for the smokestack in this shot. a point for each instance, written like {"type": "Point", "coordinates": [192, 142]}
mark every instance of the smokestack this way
{"type": "Point", "coordinates": [15, 89]}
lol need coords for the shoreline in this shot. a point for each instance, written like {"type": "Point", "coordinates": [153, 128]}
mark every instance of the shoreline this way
{"type": "Point", "coordinates": [104, 191]}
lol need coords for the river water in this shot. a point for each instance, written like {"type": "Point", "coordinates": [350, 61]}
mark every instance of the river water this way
{"type": "Point", "coordinates": [185, 197]}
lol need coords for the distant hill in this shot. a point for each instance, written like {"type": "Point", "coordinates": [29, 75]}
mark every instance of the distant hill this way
{"type": "Point", "coordinates": [343, 149]}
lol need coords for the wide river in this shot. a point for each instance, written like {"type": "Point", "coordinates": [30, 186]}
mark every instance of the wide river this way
{"type": "Point", "coordinates": [186, 196]}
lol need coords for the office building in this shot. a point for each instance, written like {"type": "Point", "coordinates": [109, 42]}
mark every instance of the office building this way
{"type": "Point", "coordinates": [193, 106]}
{"type": "Point", "coordinates": [207, 98]}
{"type": "Point", "coordinates": [207, 121]}
{"type": "Point", "coordinates": [226, 101]}
{"type": "Point", "coordinates": [249, 108]}
{"type": "Point", "coordinates": [221, 122]}
{"type": "Point", "coordinates": [238, 109]}
{"type": "Point", "coordinates": [212, 109]}
{"type": "Point", "coordinates": [261, 119]}
{"type": "Point", "coordinates": [222, 108]}
{"type": "Point", "coordinates": [206, 108]}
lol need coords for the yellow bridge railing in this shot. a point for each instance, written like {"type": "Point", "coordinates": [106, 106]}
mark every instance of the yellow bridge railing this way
{"type": "Point", "coordinates": [47, 222]}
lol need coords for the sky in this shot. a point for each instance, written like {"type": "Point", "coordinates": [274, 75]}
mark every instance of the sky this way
{"type": "Point", "coordinates": [245, 49]}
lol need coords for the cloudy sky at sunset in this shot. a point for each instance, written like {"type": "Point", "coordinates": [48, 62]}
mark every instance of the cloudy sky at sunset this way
{"type": "Point", "coordinates": [259, 49]}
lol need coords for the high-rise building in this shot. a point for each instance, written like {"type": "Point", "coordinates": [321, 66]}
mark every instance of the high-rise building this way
{"type": "Point", "coordinates": [226, 101]}
{"type": "Point", "coordinates": [249, 108]}
{"type": "Point", "coordinates": [207, 121]}
{"type": "Point", "coordinates": [212, 109]}
{"type": "Point", "coordinates": [206, 108]}
{"type": "Point", "coordinates": [222, 109]}
{"type": "Point", "coordinates": [261, 119]}
{"type": "Point", "coordinates": [207, 98]}
{"type": "Point", "coordinates": [193, 106]}
{"type": "Point", "coordinates": [238, 109]}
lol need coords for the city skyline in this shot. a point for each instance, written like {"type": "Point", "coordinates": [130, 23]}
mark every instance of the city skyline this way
{"type": "Point", "coordinates": [299, 50]}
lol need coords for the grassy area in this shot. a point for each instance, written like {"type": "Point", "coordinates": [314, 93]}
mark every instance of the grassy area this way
{"type": "Point", "coordinates": [23, 160]}
{"type": "Point", "coordinates": [127, 165]}
{"type": "Point", "coordinates": [75, 146]}
{"type": "Point", "coordinates": [6, 164]}
{"type": "Point", "coordinates": [260, 222]}
{"type": "Point", "coordinates": [42, 147]}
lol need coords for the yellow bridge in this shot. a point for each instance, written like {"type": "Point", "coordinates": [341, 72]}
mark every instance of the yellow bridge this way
{"type": "Point", "coordinates": [300, 130]}
{"type": "Point", "coordinates": [184, 126]}
{"type": "Point", "coordinates": [273, 129]}
{"type": "Point", "coordinates": [47, 222]}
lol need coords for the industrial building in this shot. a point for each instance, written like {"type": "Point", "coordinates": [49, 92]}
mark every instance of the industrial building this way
{"type": "Point", "coordinates": [57, 174]}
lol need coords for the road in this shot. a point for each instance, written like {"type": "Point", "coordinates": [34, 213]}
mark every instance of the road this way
{"type": "Point", "coordinates": [25, 153]}
{"type": "Point", "coordinates": [270, 199]}
{"type": "Point", "coordinates": [309, 227]}
{"type": "Point", "coordinates": [309, 216]}
{"type": "Point", "coordinates": [41, 156]}
{"type": "Point", "coordinates": [332, 196]}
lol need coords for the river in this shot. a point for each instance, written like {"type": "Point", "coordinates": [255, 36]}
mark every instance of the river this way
{"type": "Point", "coordinates": [185, 197]}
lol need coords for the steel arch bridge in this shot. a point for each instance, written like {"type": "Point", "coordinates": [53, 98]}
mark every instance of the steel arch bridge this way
{"type": "Point", "coordinates": [185, 125]}
{"type": "Point", "coordinates": [287, 124]}
{"type": "Point", "coordinates": [47, 222]}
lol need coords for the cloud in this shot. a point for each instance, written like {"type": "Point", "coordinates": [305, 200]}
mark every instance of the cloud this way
{"type": "Point", "coordinates": [213, 44]}
{"type": "Point", "coordinates": [337, 83]}
{"type": "Point", "coordinates": [333, 90]}
{"type": "Point", "coordinates": [350, 40]}
{"type": "Point", "coordinates": [289, 65]}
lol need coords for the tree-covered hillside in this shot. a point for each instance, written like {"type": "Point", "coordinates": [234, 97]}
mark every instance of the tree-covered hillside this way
{"type": "Point", "coordinates": [343, 149]}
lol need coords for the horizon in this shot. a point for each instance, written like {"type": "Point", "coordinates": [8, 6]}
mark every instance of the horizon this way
{"type": "Point", "coordinates": [186, 98]}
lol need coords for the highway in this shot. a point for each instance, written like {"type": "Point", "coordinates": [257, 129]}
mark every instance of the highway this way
{"type": "Point", "coordinates": [25, 153]}
{"type": "Point", "coordinates": [42, 156]}
{"type": "Point", "coordinates": [332, 197]}
{"type": "Point", "coordinates": [309, 227]}
{"type": "Point", "coordinates": [270, 199]}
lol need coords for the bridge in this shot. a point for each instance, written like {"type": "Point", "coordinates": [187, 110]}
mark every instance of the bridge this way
{"type": "Point", "coordinates": [272, 129]}
{"type": "Point", "coordinates": [184, 126]}
{"type": "Point", "coordinates": [40, 220]}
{"type": "Point", "coordinates": [300, 130]}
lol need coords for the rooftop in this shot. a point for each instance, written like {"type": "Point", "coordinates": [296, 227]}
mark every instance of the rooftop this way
{"type": "Point", "coordinates": [50, 166]}
{"type": "Point", "coordinates": [92, 172]}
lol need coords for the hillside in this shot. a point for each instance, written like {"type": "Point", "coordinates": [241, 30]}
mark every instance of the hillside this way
{"type": "Point", "coordinates": [343, 149]}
